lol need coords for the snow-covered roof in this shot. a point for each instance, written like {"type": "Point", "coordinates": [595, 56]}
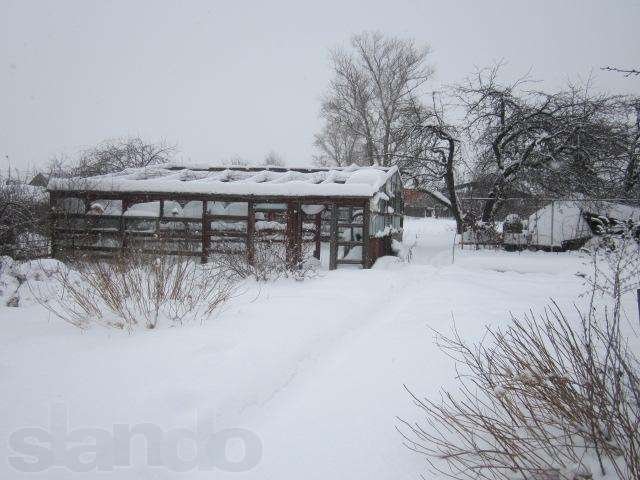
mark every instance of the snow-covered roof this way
{"type": "Point", "coordinates": [352, 181]}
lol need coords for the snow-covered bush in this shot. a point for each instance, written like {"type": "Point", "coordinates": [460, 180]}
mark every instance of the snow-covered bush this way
{"type": "Point", "coordinates": [403, 250]}
{"type": "Point", "coordinates": [18, 278]}
{"type": "Point", "coordinates": [134, 290]}
{"type": "Point", "coordinates": [482, 234]}
{"type": "Point", "coordinates": [512, 224]}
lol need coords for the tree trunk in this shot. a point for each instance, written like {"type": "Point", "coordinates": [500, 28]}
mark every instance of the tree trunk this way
{"type": "Point", "coordinates": [492, 202]}
{"type": "Point", "coordinates": [451, 188]}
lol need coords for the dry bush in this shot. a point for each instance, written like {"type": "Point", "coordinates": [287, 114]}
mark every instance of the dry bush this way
{"type": "Point", "coordinates": [549, 397]}
{"type": "Point", "coordinates": [136, 289]}
{"type": "Point", "coordinates": [270, 262]}
{"type": "Point", "coordinates": [23, 219]}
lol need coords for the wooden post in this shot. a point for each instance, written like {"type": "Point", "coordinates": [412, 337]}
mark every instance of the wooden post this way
{"type": "Point", "coordinates": [366, 219]}
{"type": "Point", "coordinates": [318, 235]}
{"type": "Point", "coordinates": [52, 224]}
{"type": "Point", "coordinates": [293, 234]}
{"type": "Point", "coordinates": [299, 234]}
{"type": "Point", "coordinates": [123, 225]}
{"type": "Point", "coordinates": [351, 237]}
{"type": "Point", "coordinates": [159, 219]}
{"type": "Point", "coordinates": [333, 238]}
{"type": "Point", "coordinates": [205, 233]}
{"type": "Point", "coordinates": [251, 228]}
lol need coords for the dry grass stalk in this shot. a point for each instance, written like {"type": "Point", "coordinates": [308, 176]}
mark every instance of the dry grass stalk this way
{"type": "Point", "coordinates": [270, 262]}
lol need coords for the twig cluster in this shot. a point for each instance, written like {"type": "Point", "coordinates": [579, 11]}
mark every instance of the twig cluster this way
{"type": "Point", "coordinates": [269, 261]}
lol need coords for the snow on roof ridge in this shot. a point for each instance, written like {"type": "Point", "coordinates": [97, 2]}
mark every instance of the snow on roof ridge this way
{"type": "Point", "coordinates": [222, 166]}
{"type": "Point", "coordinates": [354, 180]}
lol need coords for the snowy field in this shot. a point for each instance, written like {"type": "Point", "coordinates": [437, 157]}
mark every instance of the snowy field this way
{"type": "Point", "coordinates": [313, 370]}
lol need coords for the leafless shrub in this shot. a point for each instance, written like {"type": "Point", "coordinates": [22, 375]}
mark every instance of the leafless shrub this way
{"type": "Point", "coordinates": [544, 400]}
{"type": "Point", "coordinates": [547, 397]}
{"type": "Point", "coordinates": [136, 289]}
{"type": "Point", "coordinates": [23, 215]}
{"type": "Point", "coordinates": [270, 262]}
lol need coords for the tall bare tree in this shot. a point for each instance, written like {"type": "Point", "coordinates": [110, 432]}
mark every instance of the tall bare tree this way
{"type": "Point", "coordinates": [373, 83]}
{"type": "Point", "coordinates": [336, 145]}
{"type": "Point", "coordinates": [432, 155]}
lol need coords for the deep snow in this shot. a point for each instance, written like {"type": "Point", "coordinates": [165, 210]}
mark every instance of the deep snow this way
{"type": "Point", "coordinates": [315, 369]}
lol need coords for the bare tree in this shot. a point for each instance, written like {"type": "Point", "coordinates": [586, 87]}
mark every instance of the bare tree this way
{"type": "Point", "coordinates": [338, 146]}
{"type": "Point", "coordinates": [630, 133]}
{"type": "Point", "coordinates": [273, 158]}
{"type": "Point", "coordinates": [432, 155]}
{"type": "Point", "coordinates": [372, 85]}
{"type": "Point", "coordinates": [113, 156]}
{"type": "Point", "coordinates": [537, 140]}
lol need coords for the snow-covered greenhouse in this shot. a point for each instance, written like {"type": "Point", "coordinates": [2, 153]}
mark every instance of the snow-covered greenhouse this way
{"type": "Point", "coordinates": [204, 211]}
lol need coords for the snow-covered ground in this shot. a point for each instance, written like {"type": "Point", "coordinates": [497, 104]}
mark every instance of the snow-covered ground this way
{"type": "Point", "coordinates": [313, 370]}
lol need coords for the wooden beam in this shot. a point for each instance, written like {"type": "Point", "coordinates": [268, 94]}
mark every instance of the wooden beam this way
{"type": "Point", "coordinates": [123, 224]}
{"type": "Point", "coordinates": [205, 234]}
{"type": "Point", "coordinates": [298, 237]}
{"type": "Point", "coordinates": [160, 215]}
{"type": "Point", "coordinates": [52, 225]}
{"type": "Point", "coordinates": [293, 234]}
{"type": "Point", "coordinates": [317, 235]}
{"type": "Point", "coordinates": [349, 262]}
{"type": "Point", "coordinates": [333, 238]}
{"type": "Point", "coordinates": [141, 197]}
{"type": "Point", "coordinates": [349, 243]}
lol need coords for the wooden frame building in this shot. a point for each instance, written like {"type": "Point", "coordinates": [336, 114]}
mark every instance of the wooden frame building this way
{"type": "Point", "coordinates": [204, 211]}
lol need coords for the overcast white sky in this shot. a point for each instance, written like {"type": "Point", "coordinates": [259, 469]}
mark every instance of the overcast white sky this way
{"type": "Point", "coordinates": [239, 77]}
